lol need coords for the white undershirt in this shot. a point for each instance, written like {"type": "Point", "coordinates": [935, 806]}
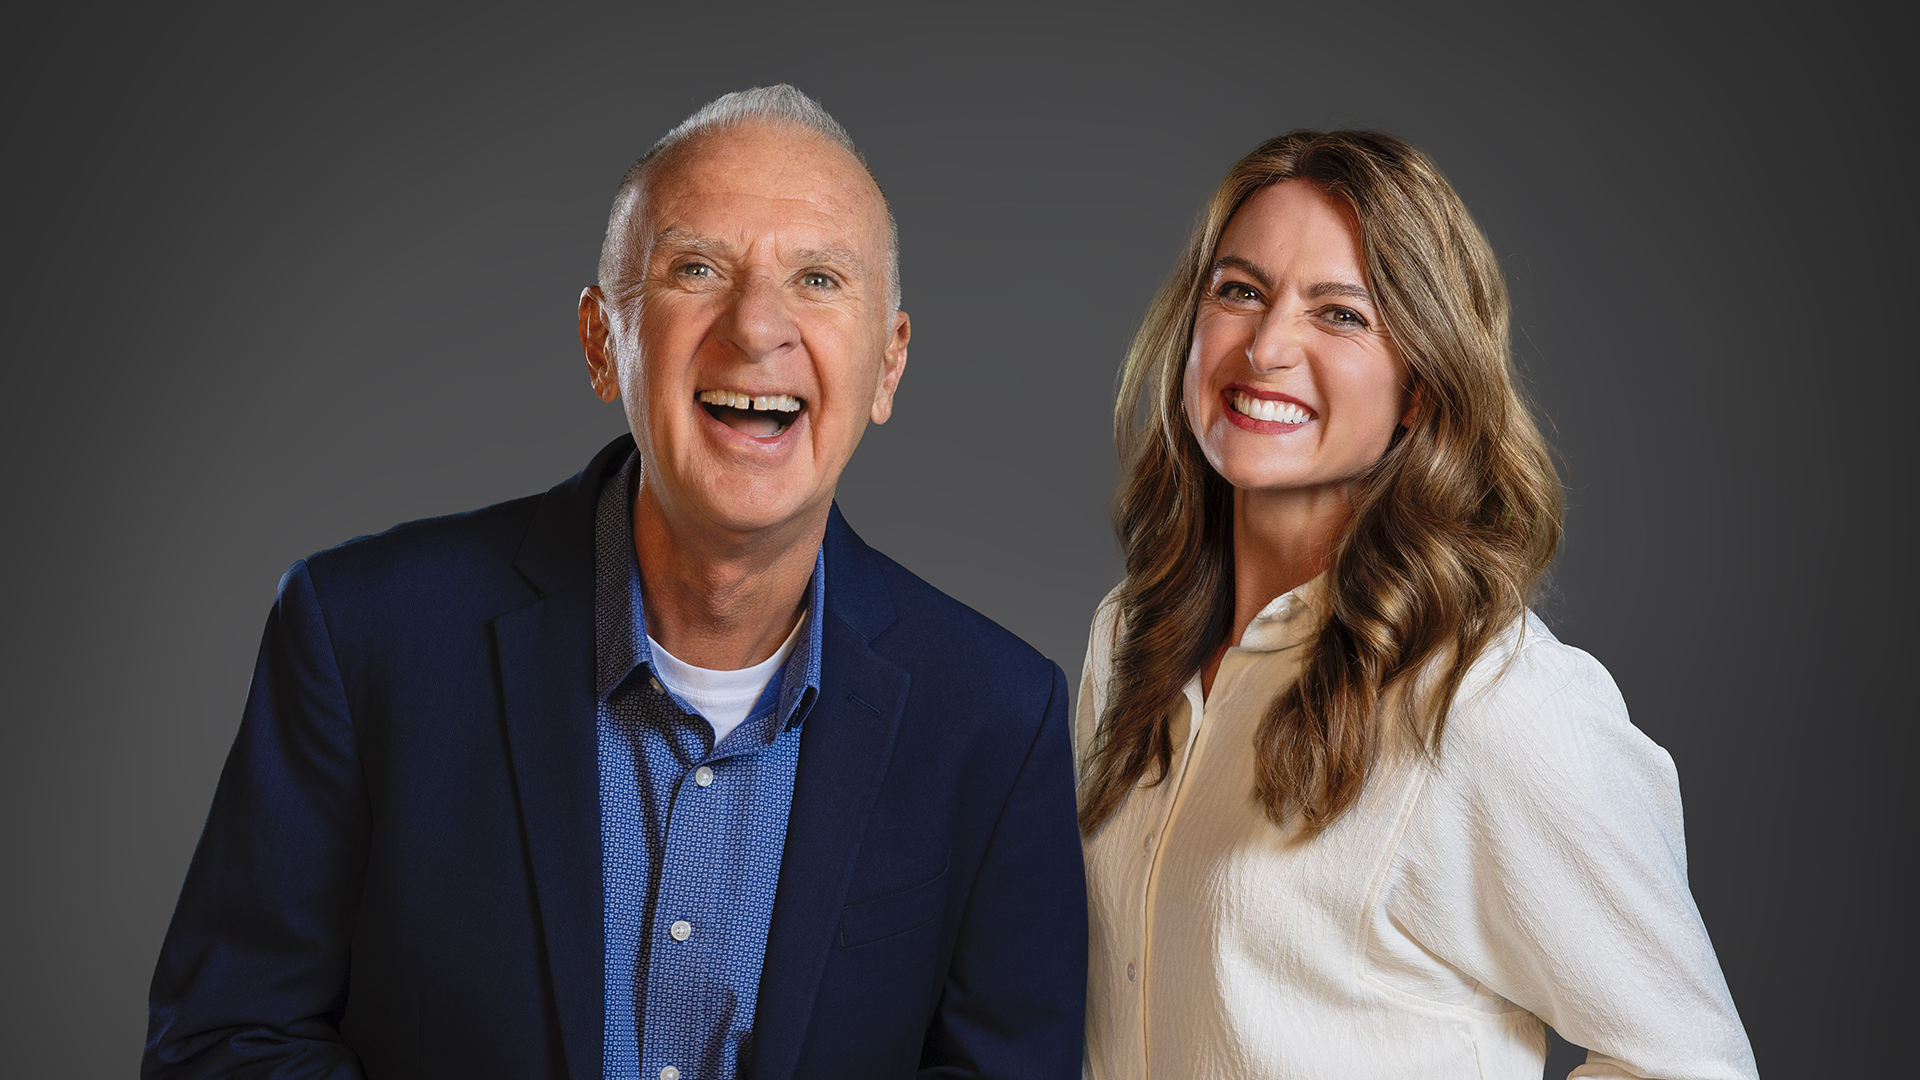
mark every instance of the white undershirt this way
{"type": "Point", "coordinates": [723, 698]}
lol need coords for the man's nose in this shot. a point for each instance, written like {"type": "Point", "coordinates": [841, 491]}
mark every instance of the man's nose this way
{"type": "Point", "coordinates": [757, 321]}
{"type": "Point", "coordinates": [1279, 342]}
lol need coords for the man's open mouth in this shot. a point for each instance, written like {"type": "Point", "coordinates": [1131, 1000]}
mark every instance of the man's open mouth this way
{"type": "Point", "coordinates": [763, 417]}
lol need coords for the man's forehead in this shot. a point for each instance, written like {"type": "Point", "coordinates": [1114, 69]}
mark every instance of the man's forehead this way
{"type": "Point", "coordinates": [765, 172]}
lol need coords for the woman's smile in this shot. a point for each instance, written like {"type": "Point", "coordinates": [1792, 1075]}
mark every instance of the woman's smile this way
{"type": "Point", "coordinates": [1264, 412]}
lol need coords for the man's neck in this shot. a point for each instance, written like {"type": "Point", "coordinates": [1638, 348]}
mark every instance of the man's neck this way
{"type": "Point", "coordinates": [721, 599]}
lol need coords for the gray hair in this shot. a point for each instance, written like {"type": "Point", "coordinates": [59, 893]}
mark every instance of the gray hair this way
{"type": "Point", "coordinates": [780, 104]}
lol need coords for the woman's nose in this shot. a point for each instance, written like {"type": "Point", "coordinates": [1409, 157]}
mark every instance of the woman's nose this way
{"type": "Point", "coordinates": [1277, 343]}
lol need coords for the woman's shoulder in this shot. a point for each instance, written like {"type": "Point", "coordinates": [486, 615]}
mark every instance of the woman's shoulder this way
{"type": "Point", "coordinates": [1102, 638]}
{"type": "Point", "coordinates": [1537, 715]}
{"type": "Point", "coordinates": [1094, 673]}
{"type": "Point", "coordinates": [1105, 631]}
{"type": "Point", "coordinates": [1525, 667]}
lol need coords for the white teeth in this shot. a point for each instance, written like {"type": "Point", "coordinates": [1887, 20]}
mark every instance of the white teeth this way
{"type": "Point", "coordinates": [724, 397]}
{"type": "Point", "coordinates": [733, 399]}
{"type": "Point", "coordinates": [1281, 412]}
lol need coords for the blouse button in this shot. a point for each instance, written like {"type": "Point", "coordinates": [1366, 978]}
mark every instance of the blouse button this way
{"type": "Point", "coordinates": [669, 1073]}
{"type": "Point", "coordinates": [1129, 971]}
{"type": "Point", "coordinates": [703, 776]}
{"type": "Point", "coordinates": [1148, 845]}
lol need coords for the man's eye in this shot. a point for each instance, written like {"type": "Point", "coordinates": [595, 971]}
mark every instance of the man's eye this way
{"type": "Point", "coordinates": [695, 270]}
{"type": "Point", "coordinates": [817, 280]}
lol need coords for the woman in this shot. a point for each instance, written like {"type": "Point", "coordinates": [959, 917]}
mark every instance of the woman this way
{"type": "Point", "coordinates": [1349, 810]}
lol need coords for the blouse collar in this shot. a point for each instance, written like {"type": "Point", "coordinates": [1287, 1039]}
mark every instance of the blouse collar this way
{"type": "Point", "coordinates": [1280, 624]}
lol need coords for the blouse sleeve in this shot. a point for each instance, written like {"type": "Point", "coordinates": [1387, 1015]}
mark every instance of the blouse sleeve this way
{"type": "Point", "coordinates": [1546, 859]}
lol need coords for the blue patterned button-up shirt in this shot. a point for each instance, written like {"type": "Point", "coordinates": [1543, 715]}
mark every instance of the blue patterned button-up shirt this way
{"type": "Point", "coordinates": [690, 832]}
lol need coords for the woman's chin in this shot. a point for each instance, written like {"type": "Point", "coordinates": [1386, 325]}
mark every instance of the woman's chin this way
{"type": "Point", "coordinates": [1259, 472]}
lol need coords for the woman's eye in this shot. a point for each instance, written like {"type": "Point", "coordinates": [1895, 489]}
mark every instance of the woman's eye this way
{"type": "Point", "coordinates": [1346, 317]}
{"type": "Point", "coordinates": [1236, 291]}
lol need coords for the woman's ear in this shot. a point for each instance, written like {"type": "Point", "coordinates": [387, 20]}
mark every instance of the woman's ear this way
{"type": "Point", "coordinates": [1416, 407]}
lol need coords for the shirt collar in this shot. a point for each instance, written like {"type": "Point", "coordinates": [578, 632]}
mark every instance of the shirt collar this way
{"type": "Point", "coordinates": [1283, 622]}
{"type": "Point", "coordinates": [620, 622]}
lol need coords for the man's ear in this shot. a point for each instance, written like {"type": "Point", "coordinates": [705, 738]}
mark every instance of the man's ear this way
{"type": "Point", "coordinates": [892, 363]}
{"type": "Point", "coordinates": [596, 341]}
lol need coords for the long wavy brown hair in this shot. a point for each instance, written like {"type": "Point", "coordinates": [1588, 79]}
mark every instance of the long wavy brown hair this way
{"type": "Point", "coordinates": [1450, 530]}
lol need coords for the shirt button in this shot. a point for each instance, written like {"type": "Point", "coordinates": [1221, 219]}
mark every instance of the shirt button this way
{"type": "Point", "coordinates": [669, 1073]}
{"type": "Point", "coordinates": [657, 689]}
{"type": "Point", "coordinates": [1129, 971]}
{"type": "Point", "coordinates": [703, 776]}
{"type": "Point", "coordinates": [681, 931]}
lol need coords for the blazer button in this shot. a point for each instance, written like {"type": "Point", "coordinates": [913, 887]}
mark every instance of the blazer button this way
{"type": "Point", "coordinates": [681, 930]}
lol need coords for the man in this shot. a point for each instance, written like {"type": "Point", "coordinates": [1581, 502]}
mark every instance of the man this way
{"type": "Point", "coordinates": [663, 773]}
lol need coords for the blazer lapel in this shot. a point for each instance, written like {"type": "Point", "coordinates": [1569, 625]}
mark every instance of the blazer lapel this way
{"type": "Point", "coordinates": [546, 658]}
{"type": "Point", "coordinates": [845, 747]}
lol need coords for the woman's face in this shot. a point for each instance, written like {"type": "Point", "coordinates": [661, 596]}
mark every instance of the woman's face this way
{"type": "Point", "coordinates": [1293, 384]}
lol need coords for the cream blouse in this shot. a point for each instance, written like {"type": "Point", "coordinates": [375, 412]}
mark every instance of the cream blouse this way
{"type": "Point", "coordinates": [1535, 871]}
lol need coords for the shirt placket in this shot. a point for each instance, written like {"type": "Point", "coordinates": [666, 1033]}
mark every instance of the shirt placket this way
{"type": "Point", "coordinates": [1204, 712]}
{"type": "Point", "coordinates": [1165, 811]}
{"type": "Point", "coordinates": [688, 931]}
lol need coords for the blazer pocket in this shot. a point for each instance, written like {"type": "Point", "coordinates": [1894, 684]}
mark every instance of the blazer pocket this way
{"type": "Point", "coordinates": [894, 913]}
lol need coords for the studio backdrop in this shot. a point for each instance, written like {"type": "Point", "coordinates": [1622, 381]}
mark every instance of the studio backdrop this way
{"type": "Point", "coordinates": [278, 278]}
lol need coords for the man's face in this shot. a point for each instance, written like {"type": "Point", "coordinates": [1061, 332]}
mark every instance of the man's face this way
{"type": "Point", "coordinates": [759, 342]}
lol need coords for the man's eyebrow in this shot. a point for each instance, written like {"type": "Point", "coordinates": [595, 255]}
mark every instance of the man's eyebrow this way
{"type": "Point", "coordinates": [1246, 266]}
{"type": "Point", "coordinates": [1338, 288]}
{"type": "Point", "coordinates": [832, 255]}
{"type": "Point", "coordinates": [682, 240]}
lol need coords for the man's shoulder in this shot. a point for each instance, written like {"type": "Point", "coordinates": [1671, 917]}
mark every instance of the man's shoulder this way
{"type": "Point", "coordinates": [495, 555]}
{"type": "Point", "coordinates": [941, 639]}
{"type": "Point", "coordinates": [439, 555]}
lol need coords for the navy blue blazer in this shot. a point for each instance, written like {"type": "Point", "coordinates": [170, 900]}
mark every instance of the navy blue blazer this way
{"type": "Point", "coordinates": [400, 874]}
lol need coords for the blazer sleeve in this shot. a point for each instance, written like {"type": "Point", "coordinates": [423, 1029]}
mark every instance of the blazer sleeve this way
{"type": "Point", "coordinates": [1015, 1000]}
{"type": "Point", "coordinates": [1546, 859]}
{"type": "Point", "coordinates": [252, 977]}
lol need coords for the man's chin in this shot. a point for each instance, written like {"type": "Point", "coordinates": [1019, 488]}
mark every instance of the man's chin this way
{"type": "Point", "coordinates": [717, 489]}
{"type": "Point", "coordinates": [757, 507]}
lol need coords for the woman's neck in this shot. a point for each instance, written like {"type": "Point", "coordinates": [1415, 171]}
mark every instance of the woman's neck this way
{"type": "Point", "coordinates": [1281, 541]}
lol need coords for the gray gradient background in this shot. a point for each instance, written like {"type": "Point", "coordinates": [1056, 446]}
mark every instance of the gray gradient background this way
{"type": "Point", "coordinates": [274, 281]}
